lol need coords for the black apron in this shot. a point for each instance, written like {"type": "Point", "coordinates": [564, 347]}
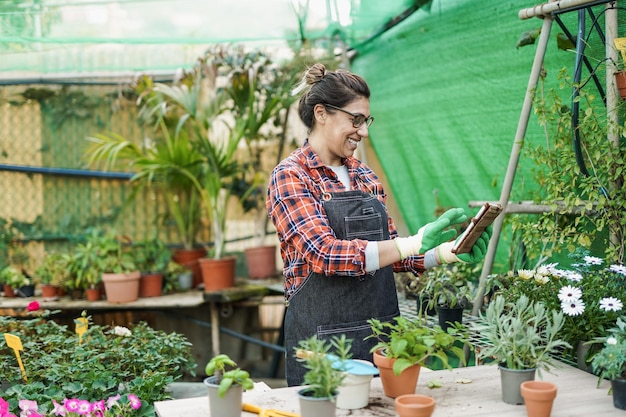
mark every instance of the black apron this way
{"type": "Point", "coordinates": [331, 305]}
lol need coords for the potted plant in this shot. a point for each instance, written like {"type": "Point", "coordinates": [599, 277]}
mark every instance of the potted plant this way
{"type": "Point", "coordinates": [13, 280]}
{"type": "Point", "coordinates": [260, 92]}
{"type": "Point", "coordinates": [226, 382]}
{"type": "Point", "coordinates": [449, 291]}
{"type": "Point", "coordinates": [404, 346]}
{"type": "Point", "coordinates": [114, 264]}
{"type": "Point", "coordinates": [50, 274]}
{"type": "Point", "coordinates": [152, 258]}
{"type": "Point", "coordinates": [178, 277]}
{"type": "Point", "coordinates": [521, 337]}
{"type": "Point", "coordinates": [324, 374]}
{"type": "Point", "coordinates": [610, 362]}
{"type": "Point", "coordinates": [169, 162]}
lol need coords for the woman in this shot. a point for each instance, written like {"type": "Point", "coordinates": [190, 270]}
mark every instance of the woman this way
{"type": "Point", "coordinates": [339, 246]}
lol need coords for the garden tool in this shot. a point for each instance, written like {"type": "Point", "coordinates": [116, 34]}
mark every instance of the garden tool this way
{"type": "Point", "coordinates": [15, 343]}
{"type": "Point", "coordinates": [267, 412]}
{"type": "Point", "coordinates": [349, 365]}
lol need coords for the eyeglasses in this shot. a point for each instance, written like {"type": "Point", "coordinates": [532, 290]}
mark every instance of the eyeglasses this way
{"type": "Point", "coordinates": [357, 118]}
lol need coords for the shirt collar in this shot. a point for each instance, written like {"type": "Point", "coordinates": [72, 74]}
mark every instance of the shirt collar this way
{"type": "Point", "coordinates": [313, 160]}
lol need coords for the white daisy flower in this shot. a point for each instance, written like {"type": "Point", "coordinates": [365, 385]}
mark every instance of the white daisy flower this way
{"type": "Point", "coordinates": [611, 340]}
{"type": "Point", "coordinates": [593, 260]}
{"type": "Point", "coordinates": [573, 276]}
{"type": "Point", "coordinates": [569, 293]}
{"type": "Point", "coordinates": [611, 304]}
{"type": "Point", "coordinates": [544, 270]}
{"type": "Point", "coordinates": [541, 279]}
{"type": "Point", "coordinates": [525, 274]}
{"type": "Point", "coordinates": [620, 269]}
{"type": "Point", "coordinates": [573, 308]}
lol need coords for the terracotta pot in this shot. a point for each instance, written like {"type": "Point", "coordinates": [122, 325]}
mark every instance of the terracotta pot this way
{"type": "Point", "coordinates": [414, 405]}
{"type": "Point", "coordinates": [8, 291]}
{"type": "Point", "coordinates": [396, 385]}
{"type": "Point", "coordinates": [218, 274]}
{"type": "Point", "coordinates": [93, 294]}
{"type": "Point", "coordinates": [121, 288]}
{"type": "Point", "coordinates": [151, 285]}
{"type": "Point", "coordinates": [189, 258]}
{"type": "Point", "coordinates": [261, 261]}
{"type": "Point", "coordinates": [48, 291]}
{"type": "Point", "coordinates": [538, 397]}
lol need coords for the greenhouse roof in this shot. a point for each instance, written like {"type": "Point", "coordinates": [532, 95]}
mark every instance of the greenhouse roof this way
{"type": "Point", "coordinates": [86, 36]}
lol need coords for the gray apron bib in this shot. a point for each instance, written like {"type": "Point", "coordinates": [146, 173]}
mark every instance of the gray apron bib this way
{"type": "Point", "coordinates": [331, 305]}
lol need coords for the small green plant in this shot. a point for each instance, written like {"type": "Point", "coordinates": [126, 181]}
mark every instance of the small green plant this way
{"type": "Point", "coordinates": [413, 342]}
{"type": "Point", "coordinates": [610, 361]}
{"type": "Point", "coordinates": [323, 376]}
{"type": "Point", "coordinates": [152, 256]}
{"type": "Point", "coordinates": [14, 278]}
{"type": "Point", "coordinates": [448, 286]}
{"type": "Point", "coordinates": [227, 374]}
{"type": "Point", "coordinates": [521, 334]}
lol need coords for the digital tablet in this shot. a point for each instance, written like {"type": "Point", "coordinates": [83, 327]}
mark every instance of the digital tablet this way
{"type": "Point", "coordinates": [485, 216]}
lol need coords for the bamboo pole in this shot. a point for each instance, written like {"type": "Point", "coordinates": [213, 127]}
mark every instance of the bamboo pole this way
{"type": "Point", "coordinates": [546, 9]}
{"type": "Point", "coordinates": [514, 158]}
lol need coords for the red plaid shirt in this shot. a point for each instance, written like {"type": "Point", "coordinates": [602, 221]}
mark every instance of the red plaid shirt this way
{"type": "Point", "coordinates": [307, 242]}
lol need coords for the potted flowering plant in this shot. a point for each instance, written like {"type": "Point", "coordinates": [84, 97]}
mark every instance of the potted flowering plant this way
{"type": "Point", "coordinates": [590, 294]}
{"type": "Point", "coordinates": [610, 362]}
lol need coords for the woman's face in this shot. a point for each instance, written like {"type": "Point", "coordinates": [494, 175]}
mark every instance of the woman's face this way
{"type": "Point", "coordinates": [336, 137]}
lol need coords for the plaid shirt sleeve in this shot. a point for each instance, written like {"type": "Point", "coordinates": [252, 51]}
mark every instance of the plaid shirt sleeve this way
{"type": "Point", "coordinates": [307, 242]}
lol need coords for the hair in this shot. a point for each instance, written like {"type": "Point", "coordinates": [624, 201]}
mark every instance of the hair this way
{"type": "Point", "coordinates": [320, 86]}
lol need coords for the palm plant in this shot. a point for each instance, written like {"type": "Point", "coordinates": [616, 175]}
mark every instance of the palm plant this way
{"type": "Point", "coordinates": [168, 162]}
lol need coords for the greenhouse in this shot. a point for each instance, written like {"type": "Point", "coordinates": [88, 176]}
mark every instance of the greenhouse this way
{"type": "Point", "coordinates": [269, 198]}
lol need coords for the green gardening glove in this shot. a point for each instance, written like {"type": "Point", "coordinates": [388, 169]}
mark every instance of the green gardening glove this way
{"type": "Point", "coordinates": [431, 235]}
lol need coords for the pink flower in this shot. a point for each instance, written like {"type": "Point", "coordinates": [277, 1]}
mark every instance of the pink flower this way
{"type": "Point", "coordinates": [28, 407]}
{"type": "Point", "coordinates": [4, 406]}
{"type": "Point", "coordinates": [33, 306]}
{"type": "Point", "coordinates": [71, 404]}
{"type": "Point", "coordinates": [113, 401]}
{"type": "Point", "coordinates": [84, 407]}
{"type": "Point", "coordinates": [134, 401]}
{"type": "Point", "coordinates": [59, 409]}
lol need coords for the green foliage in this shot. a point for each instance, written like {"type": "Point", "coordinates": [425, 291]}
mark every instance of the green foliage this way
{"type": "Point", "coordinates": [152, 255]}
{"type": "Point", "coordinates": [108, 361]}
{"type": "Point", "coordinates": [55, 269]}
{"type": "Point", "coordinates": [591, 277]}
{"type": "Point", "coordinates": [323, 377]}
{"type": "Point", "coordinates": [227, 374]}
{"type": "Point", "coordinates": [13, 277]}
{"type": "Point", "coordinates": [449, 286]}
{"type": "Point", "coordinates": [413, 342]}
{"type": "Point", "coordinates": [583, 209]}
{"type": "Point", "coordinates": [610, 361]}
{"type": "Point", "coordinates": [521, 334]}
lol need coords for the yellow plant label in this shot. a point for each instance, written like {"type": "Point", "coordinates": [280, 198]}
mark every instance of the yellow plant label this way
{"type": "Point", "coordinates": [15, 343]}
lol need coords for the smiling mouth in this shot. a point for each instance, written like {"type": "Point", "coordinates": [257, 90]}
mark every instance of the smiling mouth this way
{"type": "Point", "coordinates": [353, 142]}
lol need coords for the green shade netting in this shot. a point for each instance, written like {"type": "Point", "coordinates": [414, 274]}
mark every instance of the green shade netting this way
{"type": "Point", "coordinates": [49, 36]}
{"type": "Point", "coordinates": [448, 85]}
